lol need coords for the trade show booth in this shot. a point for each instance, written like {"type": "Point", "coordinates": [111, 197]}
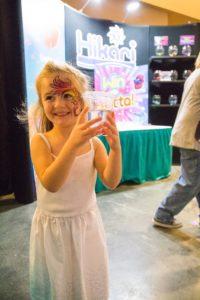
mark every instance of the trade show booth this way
{"type": "Point", "coordinates": [144, 66]}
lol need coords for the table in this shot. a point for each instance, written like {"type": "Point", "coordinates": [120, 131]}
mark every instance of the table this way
{"type": "Point", "coordinates": [146, 154]}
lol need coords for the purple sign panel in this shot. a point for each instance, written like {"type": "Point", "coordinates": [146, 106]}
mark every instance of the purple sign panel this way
{"type": "Point", "coordinates": [187, 40]}
{"type": "Point", "coordinates": [130, 86]}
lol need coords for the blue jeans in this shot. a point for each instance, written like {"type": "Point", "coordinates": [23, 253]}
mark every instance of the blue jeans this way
{"type": "Point", "coordinates": [184, 189]}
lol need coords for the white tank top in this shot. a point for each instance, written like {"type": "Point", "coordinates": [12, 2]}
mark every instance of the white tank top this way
{"type": "Point", "coordinates": [77, 195]}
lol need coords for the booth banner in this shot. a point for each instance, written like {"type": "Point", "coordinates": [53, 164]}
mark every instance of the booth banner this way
{"type": "Point", "coordinates": [130, 88]}
{"type": "Point", "coordinates": [92, 41]}
{"type": "Point", "coordinates": [115, 56]}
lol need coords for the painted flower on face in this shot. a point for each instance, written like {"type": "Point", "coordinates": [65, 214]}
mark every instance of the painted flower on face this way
{"type": "Point", "coordinates": [67, 90]}
{"type": "Point", "coordinates": [59, 86]}
{"type": "Point", "coordinates": [72, 96]}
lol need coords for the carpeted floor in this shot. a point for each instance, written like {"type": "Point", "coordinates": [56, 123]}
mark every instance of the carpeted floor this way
{"type": "Point", "coordinates": [146, 263]}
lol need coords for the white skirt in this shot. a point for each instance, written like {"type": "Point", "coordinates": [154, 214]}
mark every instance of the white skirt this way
{"type": "Point", "coordinates": [68, 257]}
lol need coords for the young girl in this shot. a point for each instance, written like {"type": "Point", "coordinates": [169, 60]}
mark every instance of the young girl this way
{"type": "Point", "coordinates": [68, 254]}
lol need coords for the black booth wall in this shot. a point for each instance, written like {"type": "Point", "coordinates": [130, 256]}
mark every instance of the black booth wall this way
{"type": "Point", "coordinates": [143, 35]}
{"type": "Point", "coordinates": [15, 166]}
{"type": "Point", "coordinates": [74, 20]}
{"type": "Point", "coordinates": [174, 32]}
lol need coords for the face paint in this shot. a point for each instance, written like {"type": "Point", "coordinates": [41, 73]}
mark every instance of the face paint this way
{"type": "Point", "coordinates": [71, 97]}
{"type": "Point", "coordinates": [59, 86]}
{"type": "Point", "coordinates": [67, 90]}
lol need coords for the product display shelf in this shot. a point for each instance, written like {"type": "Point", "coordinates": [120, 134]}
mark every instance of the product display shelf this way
{"type": "Point", "coordinates": [168, 91]}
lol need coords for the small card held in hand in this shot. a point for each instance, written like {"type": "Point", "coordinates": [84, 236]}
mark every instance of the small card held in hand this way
{"type": "Point", "coordinates": [197, 132]}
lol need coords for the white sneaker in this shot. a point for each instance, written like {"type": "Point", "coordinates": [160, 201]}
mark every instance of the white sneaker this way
{"type": "Point", "coordinates": [171, 225]}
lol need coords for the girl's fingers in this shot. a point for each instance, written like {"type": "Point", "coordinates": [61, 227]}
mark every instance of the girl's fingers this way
{"type": "Point", "coordinates": [92, 122]}
{"type": "Point", "coordinates": [93, 131]}
{"type": "Point", "coordinates": [96, 128]}
{"type": "Point", "coordinates": [81, 117]}
{"type": "Point", "coordinates": [108, 132]}
{"type": "Point", "coordinates": [110, 122]}
{"type": "Point", "coordinates": [110, 117]}
{"type": "Point", "coordinates": [111, 127]}
{"type": "Point", "coordinates": [108, 127]}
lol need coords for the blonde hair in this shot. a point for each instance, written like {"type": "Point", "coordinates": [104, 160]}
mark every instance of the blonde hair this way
{"type": "Point", "coordinates": [197, 62]}
{"type": "Point", "coordinates": [79, 80]}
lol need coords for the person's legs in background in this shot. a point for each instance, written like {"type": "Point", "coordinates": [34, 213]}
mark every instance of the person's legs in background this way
{"type": "Point", "coordinates": [184, 189]}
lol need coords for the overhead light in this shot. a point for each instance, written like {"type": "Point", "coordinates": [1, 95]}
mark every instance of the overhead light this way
{"type": "Point", "coordinates": [87, 2]}
{"type": "Point", "coordinates": [133, 6]}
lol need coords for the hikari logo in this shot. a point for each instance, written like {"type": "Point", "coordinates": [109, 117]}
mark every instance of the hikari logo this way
{"type": "Point", "coordinates": [92, 50]}
{"type": "Point", "coordinates": [116, 35]}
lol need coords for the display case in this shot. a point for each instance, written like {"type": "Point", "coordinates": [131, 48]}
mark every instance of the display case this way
{"type": "Point", "coordinates": [167, 75]}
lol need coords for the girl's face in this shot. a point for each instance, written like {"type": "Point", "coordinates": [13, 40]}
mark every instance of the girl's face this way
{"type": "Point", "coordinates": [61, 101]}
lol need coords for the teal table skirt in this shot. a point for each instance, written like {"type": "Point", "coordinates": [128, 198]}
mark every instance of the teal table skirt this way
{"type": "Point", "coordinates": [146, 155]}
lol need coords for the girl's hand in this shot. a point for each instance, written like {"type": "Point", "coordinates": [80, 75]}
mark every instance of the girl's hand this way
{"type": "Point", "coordinates": [83, 130]}
{"type": "Point", "coordinates": [111, 132]}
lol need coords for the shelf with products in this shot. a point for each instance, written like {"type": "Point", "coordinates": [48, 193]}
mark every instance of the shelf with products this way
{"type": "Point", "coordinates": [166, 93]}
{"type": "Point", "coordinates": [170, 48]}
{"type": "Point", "coordinates": [174, 68]}
{"type": "Point", "coordinates": [167, 75]}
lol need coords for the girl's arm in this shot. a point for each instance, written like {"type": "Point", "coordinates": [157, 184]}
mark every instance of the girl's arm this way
{"type": "Point", "coordinates": [109, 167]}
{"type": "Point", "coordinates": [52, 173]}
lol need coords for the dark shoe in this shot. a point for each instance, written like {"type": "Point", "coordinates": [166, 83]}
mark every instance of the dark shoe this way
{"type": "Point", "coordinates": [171, 225]}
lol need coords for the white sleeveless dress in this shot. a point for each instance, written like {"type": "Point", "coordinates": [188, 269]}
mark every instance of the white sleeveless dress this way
{"type": "Point", "coordinates": [68, 252]}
